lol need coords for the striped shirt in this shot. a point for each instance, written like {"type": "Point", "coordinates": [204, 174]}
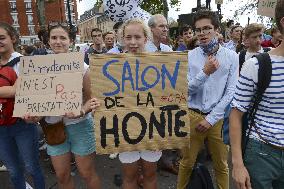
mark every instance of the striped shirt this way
{"type": "Point", "coordinates": [269, 118]}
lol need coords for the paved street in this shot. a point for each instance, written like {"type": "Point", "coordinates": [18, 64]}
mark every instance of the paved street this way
{"type": "Point", "coordinates": [107, 169]}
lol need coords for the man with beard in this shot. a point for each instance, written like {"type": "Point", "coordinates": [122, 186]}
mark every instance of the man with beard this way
{"type": "Point", "coordinates": [97, 47]}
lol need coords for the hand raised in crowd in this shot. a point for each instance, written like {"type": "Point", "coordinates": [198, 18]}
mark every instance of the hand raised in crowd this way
{"type": "Point", "coordinates": [211, 65]}
{"type": "Point", "coordinates": [241, 177]}
{"type": "Point", "coordinates": [31, 119]}
{"type": "Point", "coordinates": [203, 126]}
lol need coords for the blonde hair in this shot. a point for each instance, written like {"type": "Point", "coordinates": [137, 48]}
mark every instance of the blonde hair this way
{"type": "Point", "coordinates": [146, 29]}
{"type": "Point", "coordinates": [252, 28]}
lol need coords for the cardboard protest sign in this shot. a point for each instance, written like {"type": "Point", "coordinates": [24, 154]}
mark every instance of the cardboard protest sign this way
{"type": "Point", "coordinates": [266, 8]}
{"type": "Point", "coordinates": [49, 85]}
{"type": "Point", "coordinates": [143, 101]}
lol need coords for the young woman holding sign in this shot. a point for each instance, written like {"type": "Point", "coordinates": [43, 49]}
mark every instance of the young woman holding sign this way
{"type": "Point", "coordinates": [134, 36]}
{"type": "Point", "coordinates": [18, 139]}
{"type": "Point", "coordinates": [80, 139]}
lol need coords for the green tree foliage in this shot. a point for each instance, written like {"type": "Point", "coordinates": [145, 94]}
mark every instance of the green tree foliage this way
{"type": "Point", "coordinates": [155, 6]}
{"type": "Point", "coordinates": [246, 6]}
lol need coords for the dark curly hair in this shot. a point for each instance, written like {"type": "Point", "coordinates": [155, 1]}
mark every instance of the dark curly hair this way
{"type": "Point", "coordinates": [206, 14]}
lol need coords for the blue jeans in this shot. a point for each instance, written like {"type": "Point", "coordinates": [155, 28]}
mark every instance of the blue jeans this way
{"type": "Point", "coordinates": [265, 165]}
{"type": "Point", "coordinates": [18, 145]}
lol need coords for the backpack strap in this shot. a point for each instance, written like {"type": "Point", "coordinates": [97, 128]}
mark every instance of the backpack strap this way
{"type": "Point", "coordinates": [13, 62]}
{"type": "Point", "coordinates": [264, 72]}
{"type": "Point", "coordinates": [7, 79]}
{"type": "Point", "coordinates": [264, 78]}
{"type": "Point", "coordinates": [242, 58]}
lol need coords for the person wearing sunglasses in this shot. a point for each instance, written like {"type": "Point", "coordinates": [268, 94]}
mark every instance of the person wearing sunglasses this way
{"type": "Point", "coordinates": [212, 77]}
{"type": "Point", "coordinates": [80, 139]}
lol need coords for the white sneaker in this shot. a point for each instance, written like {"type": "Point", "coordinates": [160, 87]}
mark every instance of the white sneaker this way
{"type": "Point", "coordinates": [43, 147]}
{"type": "Point", "coordinates": [3, 168]}
{"type": "Point", "coordinates": [113, 156]}
{"type": "Point", "coordinates": [28, 186]}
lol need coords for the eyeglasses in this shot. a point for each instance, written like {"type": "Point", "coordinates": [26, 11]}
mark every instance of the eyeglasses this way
{"type": "Point", "coordinates": [205, 30]}
{"type": "Point", "coordinates": [55, 24]}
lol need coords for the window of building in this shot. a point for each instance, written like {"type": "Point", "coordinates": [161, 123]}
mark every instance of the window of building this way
{"type": "Point", "coordinates": [15, 19]}
{"type": "Point", "coordinates": [30, 19]}
{"type": "Point", "coordinates": [29, 6]}
{"type": "Point", "coordinates": [13, 6]}
{"type": "Point", "coordinates": [32, 30]}
{"type": "Point", "coordinates": [17, 29]}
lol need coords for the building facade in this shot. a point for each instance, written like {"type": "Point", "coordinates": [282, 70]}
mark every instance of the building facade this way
{"type": "Point", "coordinates": [23, 15]}
{"type": "Point", "coordinates": [93, 18]}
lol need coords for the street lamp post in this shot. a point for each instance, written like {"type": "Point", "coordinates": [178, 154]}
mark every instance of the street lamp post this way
{"type": "Point", "coordinates": [69, 14]}
{"type": "Point", "coordinates": [198, 4]}
{"type": "Point", "coordinates": [41, 13]}
{"type": "Point", "coordinates": [73, 28]}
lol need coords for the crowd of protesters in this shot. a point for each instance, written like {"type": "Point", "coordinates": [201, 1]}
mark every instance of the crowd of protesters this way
{"type": "Point", "coordinates": [223, 72]}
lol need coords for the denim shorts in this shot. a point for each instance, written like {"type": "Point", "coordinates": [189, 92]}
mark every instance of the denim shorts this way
{"type": "Point", "coordinates": [80, 139]}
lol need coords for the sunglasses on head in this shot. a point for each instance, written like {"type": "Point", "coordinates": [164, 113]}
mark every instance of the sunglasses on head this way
{"type": "Point", "coordinates": [55, 24]}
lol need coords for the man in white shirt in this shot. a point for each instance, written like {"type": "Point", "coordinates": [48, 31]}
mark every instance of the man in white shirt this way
{"type": "Point", "coordinates": [212, 76]}
{"type": "Point", "coordinates": [159, 28]}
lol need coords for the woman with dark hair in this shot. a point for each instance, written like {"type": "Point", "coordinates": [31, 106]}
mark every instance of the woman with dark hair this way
{"type": "Point", "coordinates": [18, 139]}
{"type": "Point", "coordinates": [79, 129]}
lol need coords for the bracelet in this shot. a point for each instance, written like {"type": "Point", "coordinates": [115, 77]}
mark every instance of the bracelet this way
{"type": "Point", "coordinates": [82, 113]}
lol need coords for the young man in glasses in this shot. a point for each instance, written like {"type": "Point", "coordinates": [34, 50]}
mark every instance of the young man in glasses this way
{"type": "Point", "coordinates": [98, 47]}
{"type": "Point", "coordinates": [261, 167]}
{"type": "Point", "coordinates": [212, 76]}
